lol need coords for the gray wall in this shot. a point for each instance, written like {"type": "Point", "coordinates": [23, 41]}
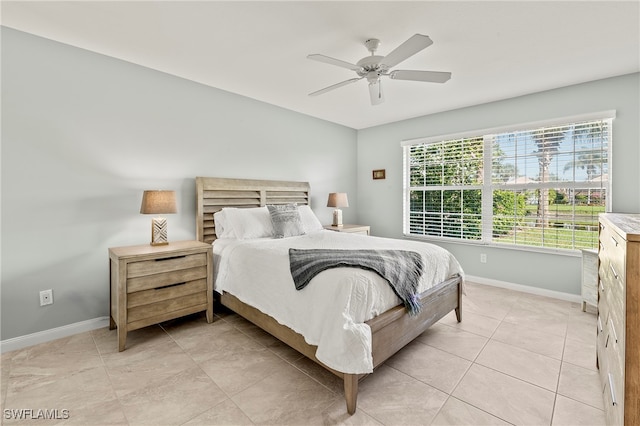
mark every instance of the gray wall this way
{"type": "Point", "coordinates": [83, 135]}
{"type": "Point", "coordinates": [380, 201]}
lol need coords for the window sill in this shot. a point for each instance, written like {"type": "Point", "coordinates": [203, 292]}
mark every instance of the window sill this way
{"type": "Point", "coordinates": [543, 250]}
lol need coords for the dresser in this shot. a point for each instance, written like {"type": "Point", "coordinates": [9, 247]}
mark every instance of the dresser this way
{"type": "Point", "coordinates": [618, 322]}
{"type": "Point", "coordinates": [151, 284]}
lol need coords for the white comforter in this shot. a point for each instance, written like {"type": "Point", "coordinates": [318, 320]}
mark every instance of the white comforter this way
{"type": "Point", "coordinates": [329, 312]}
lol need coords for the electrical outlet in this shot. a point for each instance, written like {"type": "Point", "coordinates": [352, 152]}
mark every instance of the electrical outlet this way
{"type": "Point", "coordinates": [46, 297]}
{"type": "Point", "coordinates": [483, 258]}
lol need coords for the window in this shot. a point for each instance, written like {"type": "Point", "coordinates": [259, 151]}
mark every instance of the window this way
{"type": "Point", "coordinates": [542, 186]}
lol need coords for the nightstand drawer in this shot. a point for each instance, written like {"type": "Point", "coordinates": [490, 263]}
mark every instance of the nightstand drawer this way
{"type": "Point", "coordinates": [153, 295]}
{"type": "Point", "coordinates": [150, 312]}
{"type": "Point", "coordinates": [165, 279]}
{"type": "Point", "coordinates": [165, 264]}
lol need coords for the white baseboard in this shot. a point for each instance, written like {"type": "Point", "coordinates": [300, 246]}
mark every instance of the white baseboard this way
{"type": "Point", "coordinates": [52, 334]}
{"type": "Point", "coordinates": [93, 324]}
{"type": "Point", "coordinates": [526, 289]}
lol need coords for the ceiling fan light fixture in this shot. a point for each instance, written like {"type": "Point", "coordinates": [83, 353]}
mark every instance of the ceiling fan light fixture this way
{"type": "Point", "coordinates": [373, 77]}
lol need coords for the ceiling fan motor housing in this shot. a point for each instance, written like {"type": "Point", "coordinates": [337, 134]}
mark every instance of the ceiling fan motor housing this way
{"type": "Point", "coordinates": [371, 64]}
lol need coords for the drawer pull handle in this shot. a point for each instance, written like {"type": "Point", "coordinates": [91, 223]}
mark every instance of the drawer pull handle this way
{"type": "Point", "coordinates": [601, 287]}
{"type": "Point", "coordinates": [614, 241]}
{"type": "Point", "coordinates": [169, 285]}
{"type": "Point", "coordinates": [600, 324]}
{"type": "Point", "coordinates": [615, 274]}
{"type": "Point", "coordinates": [613, 393]}
{"type": "Point", "coordinates": [613, 330]}
{"type": "Point", "coordinates": [169, 258]}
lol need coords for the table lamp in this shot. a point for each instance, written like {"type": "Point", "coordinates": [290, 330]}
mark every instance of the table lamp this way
{"type": "Point", "coordinates": [337, 200]}
{"type": "Point", "coordinates": [158, 202]}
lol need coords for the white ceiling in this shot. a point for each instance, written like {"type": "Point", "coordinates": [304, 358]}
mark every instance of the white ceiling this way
{"type": "Point", "coordinates": [495, 50]}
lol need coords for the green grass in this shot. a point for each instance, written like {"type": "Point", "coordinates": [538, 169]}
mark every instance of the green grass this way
{"type": "Point", "coordinates": [567, 209]}
{"type": "Point", "coordinates": [551, 238]}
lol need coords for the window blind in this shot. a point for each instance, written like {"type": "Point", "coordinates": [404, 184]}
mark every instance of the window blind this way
{"type": "Point", "coordinates": [541, 186]}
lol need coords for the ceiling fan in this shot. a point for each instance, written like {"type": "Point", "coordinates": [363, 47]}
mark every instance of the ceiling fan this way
{"type": "Point", "coordinates": [374, 67]}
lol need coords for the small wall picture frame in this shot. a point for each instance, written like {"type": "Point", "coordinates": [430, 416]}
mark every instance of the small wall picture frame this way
{"type": "Point", "coordinates": [379, 174]}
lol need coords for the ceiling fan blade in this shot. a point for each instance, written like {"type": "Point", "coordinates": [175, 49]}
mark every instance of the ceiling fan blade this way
{"type": "Point", "coordinates": [335, 86]}
{"type": "Point", "coordinates": [429, 76]}
{"type": "Point", "coordinates": [375, 92]}
{"type": "Point", "coordinates": [413, 45]}
{"type": "Point", "coordinates": [333, 61]}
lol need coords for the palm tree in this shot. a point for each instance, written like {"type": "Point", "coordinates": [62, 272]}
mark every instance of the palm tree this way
{"type": "Point", "coordinates": [591, 161]}
{"type": "Point", "coordinates": [547, 143]}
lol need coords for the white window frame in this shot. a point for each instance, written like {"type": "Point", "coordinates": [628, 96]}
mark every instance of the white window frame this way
{"type": "Point", "coordinates": [488, 187]}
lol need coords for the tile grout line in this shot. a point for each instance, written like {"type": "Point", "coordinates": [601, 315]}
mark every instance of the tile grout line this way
{"type": "Point", "coordinates": [203, 372]}
{"type": "Point", "coordinates": [264, 378]}
{"type": "Point", "coordinates": [106, 370]}
{"type": "Point", "coordinates": [555, 398]}
{"type": "Point", "coordinates": [467, 371]}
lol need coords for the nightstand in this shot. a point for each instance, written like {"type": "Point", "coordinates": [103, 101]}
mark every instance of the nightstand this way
{"type": "Point", "coordinates": [151, 284]}
{"type": "Point", "coordinates": [354, 229]}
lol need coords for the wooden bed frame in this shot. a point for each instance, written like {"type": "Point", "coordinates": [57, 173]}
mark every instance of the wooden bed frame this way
{"type": "Point", "coordinates": [391, 330]}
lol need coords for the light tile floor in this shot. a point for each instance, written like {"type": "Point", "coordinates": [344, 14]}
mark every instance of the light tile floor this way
{"type": "Point", "coordinates": [515, 358]}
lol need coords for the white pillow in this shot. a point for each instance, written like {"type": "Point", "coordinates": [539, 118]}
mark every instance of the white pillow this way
{"type": "Point", "coordinates": [223, 227]}
{"type": "Point", "coordinates": [310, 222]}
{"type": "Point", "coordinates": [248, 223]}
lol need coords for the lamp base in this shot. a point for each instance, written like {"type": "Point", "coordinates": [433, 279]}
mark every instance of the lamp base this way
{"type": "Point", "coordinates": [337, 217]}
{"type": "Point", "coordinates": [159, 231]}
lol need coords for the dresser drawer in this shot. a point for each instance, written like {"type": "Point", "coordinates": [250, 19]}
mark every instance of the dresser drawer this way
{"type": "Point", "coordinates": [617, 338]}
{"type": "Point", "coordinates": [603, 301]}
{"type": "Point", "coordinates": [612, 401]}
{"type": "Point", "coordinates": [601, 350]}
{"type": "Point", "coordinates": [612, 253]}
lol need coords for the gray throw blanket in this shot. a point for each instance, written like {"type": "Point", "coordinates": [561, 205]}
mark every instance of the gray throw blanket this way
{"type": "Point", "coordinates": [402, 269]}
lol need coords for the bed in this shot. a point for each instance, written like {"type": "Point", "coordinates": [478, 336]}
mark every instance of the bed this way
{"type": "Point", "coordinates": [388, 330]}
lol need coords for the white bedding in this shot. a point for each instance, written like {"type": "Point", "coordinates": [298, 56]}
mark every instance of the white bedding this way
{"type": "Point", "coordinates": [329, 312]}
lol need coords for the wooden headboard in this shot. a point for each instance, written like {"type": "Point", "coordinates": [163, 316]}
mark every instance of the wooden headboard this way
{"type": "Point", "coordinates": [212, 194]}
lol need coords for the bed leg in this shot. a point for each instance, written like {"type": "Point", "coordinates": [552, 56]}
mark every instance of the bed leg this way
{"type": "Point", "coordinates": [459, 308]}
{"type": "Point", "coordinates": [351, 392]}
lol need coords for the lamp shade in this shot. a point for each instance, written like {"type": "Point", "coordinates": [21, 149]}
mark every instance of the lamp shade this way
{"type": "Point", "coordinates": [158, 202]}
{"type": "Point", "coordinates": [338, 199]}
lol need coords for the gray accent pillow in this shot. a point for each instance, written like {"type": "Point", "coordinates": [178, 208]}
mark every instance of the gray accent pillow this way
{"type": "Point", "coordinates": [286, 220]}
